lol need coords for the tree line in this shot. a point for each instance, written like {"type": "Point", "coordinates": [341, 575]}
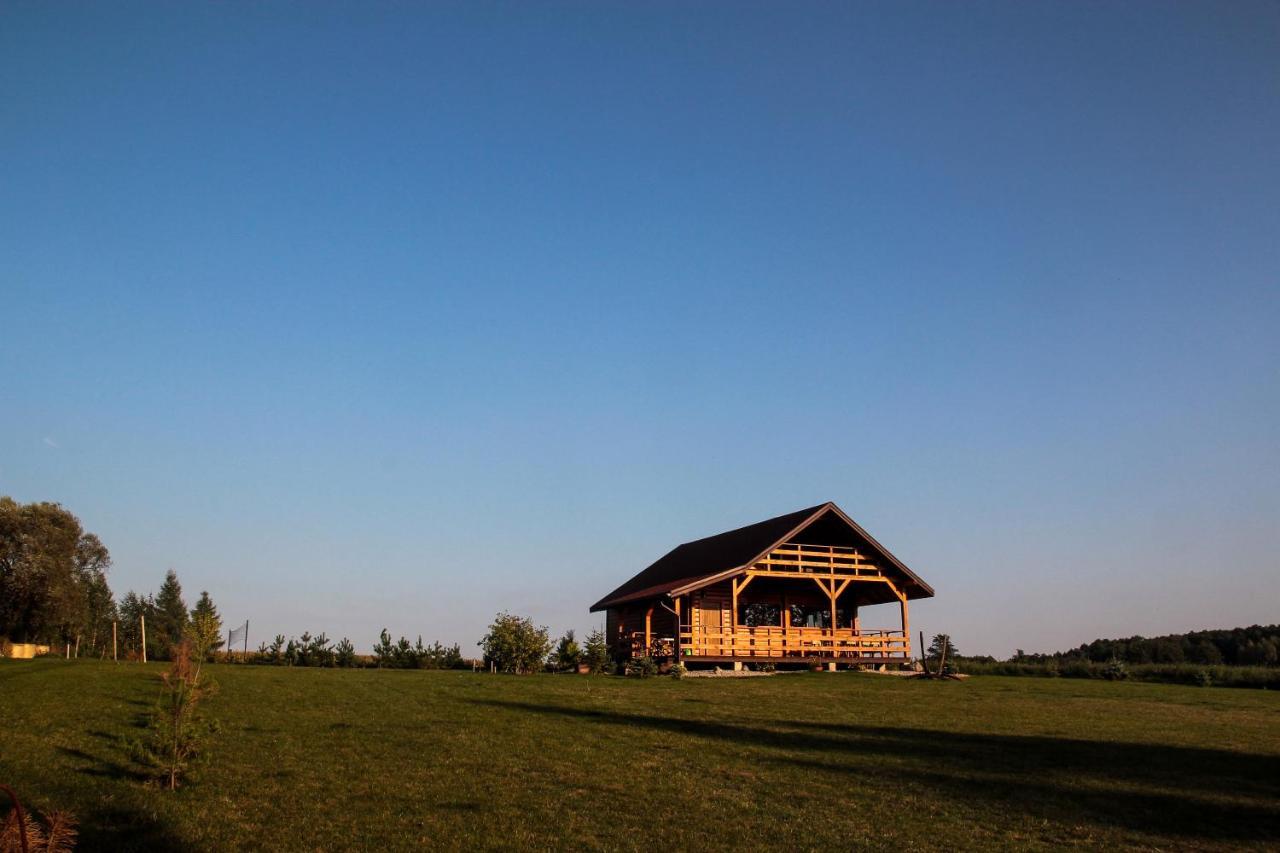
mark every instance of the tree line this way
{"type": "Point", "coordinates": [54, 590]}
{"type": "Point", "coordinates": [1257, 645]}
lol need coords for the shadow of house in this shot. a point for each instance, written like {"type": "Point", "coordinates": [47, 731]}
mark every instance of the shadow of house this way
{"type": "Point", "coordinates": [1190, 793]}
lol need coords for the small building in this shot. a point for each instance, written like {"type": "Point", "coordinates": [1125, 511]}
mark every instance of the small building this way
{"type": "Point", "coordinates": [792, 587]}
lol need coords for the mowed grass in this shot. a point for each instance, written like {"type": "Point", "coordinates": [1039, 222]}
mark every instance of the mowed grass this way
{"type": "Point", "coordinates": [334, 759]}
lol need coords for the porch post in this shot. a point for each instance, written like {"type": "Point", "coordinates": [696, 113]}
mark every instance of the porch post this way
{"type": "Point", "coordinates": [648, 630]}
{"type": "Point", "coordinates": [733, 618]}
{"type": "Point", "coordinates": [906, 630]}
{"type": "Point", "coordinates": [786, 627]}
{"type": "Point", "coordinates": [679, 633]}
{"type": "Point", "coordinates": [834, 624]}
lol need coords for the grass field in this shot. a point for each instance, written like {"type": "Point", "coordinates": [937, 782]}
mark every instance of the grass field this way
{"type": "Point", "coordinates": [331, 759]}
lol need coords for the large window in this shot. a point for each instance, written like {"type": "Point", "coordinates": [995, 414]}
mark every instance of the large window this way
{"type": "Point", "coordinates": [764, 615]}
{"type": "Point", "coordinates": [759, 615]}
{"type": "Point", "coordinates": [816, 616]}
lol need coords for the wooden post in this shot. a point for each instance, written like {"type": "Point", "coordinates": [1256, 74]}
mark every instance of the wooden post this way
{"type": "Point", "coordinates": [142, 620]}
{"type": "Point", "coordinates": [905, 626]}
{"type": "Point", "coordinates": [786, 626]}
{"type": "Point", "coordinates": [114, 657]}
{"type": "Point", "coordinates": [648, 630]}
{"type": "Point", "coordinates": [733, 618]}
{"type": "Point", "coordinates": [679, 633]}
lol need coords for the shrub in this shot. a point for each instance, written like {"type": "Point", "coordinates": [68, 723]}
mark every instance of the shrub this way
{"type": "Point", "coordinates": [678, 670]}
{"type": "Point", "coordinates": [1115, 670]}
{"type": "Point", "coordinates": [1204, 679]}
{"type": "Point", "coordinates": [1077, 669]}
{"type": "Point", "coordinates": [515, 644]}
{"type": "Point", "coordinates": [644, 667]}
{"type": "Point", "coordinates": [1222, 675]}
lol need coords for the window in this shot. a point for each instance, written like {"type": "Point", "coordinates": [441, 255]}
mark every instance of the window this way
{"type": "Point", "coordinates": [759, 615]}
{"type": "Point", "coordinates": [811, 616]}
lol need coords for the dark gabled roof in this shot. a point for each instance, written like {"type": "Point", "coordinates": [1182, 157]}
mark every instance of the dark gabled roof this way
{"type": "Point", "coordinates": [735, 549]}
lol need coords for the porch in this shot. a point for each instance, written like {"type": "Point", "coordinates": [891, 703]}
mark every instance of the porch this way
{"type": "Point", "coordinates": [773, 643]}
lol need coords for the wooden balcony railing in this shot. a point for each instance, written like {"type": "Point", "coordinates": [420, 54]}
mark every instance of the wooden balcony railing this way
{"type": "Point", "coordinates": [830, 560]}
{"type": "Point", "coordinates": [771, 642]}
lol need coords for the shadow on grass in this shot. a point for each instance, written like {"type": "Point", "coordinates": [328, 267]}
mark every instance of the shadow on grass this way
{"type": "Point", "coordinates": [1150, 788]}
{"type": "Point", "coordinates": [104, 768]}
{"type": "Point", "coordinates": [121, 829]}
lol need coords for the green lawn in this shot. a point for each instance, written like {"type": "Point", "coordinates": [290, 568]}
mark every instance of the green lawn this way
{"type": "Point", "coordinates": [326, 759]}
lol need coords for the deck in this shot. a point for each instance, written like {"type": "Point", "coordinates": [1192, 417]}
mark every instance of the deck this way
{"type": "Point", "coordinates": [747, 643]}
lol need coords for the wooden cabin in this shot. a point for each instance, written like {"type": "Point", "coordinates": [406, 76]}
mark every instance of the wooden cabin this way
{"type": "Point", "coordinates": [790, 589]}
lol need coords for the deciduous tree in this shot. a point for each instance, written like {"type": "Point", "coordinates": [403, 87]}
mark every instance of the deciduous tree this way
{"type": "Point", "coordinates": [515, 644]}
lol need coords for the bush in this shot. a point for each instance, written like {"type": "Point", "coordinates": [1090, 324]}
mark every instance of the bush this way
{"type": "Point", "coordinates": [1078, 669]}
{"type": "Point", "coordinates": [678, 670]}
{"type": "Point", "coordinates": [644, 667]}
{"type": "Point", "coordinates": [1115, 670]}
{"type": "Point", "coordinates": [514, 644]}
{"type": "Point", "coordinates": [1204, 679]}
{"type": "Point", "coordinates": [1222, 675]}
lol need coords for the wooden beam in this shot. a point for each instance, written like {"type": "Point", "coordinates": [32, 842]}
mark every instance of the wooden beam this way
{"type": "Point", "coordinates": [648, 630]}
{"type": "Point", "coordinates": [733, 616]}
{"type": "Point", "coordinates": [901, 596]}
{"type": "Point", "coordinates": [679, 632]}
{"type": "Point", "coordinates": [841, 574]}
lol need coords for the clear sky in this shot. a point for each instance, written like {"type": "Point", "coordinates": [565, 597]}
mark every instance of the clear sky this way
{"type": "Point", "coordinates": [400, 314]}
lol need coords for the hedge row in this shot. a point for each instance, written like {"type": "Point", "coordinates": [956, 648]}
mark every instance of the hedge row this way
{"type": "Point", "coordinates": [1259, 677]}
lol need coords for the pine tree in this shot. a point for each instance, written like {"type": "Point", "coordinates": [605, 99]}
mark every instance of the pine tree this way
{"type": "Point", "coordinates": [596, 652]}
{"type": "Point", "coordinates": [942, 642]}
{"type": "Point", "coordinates": [206, 613]}
{"type": "Point", "coordinates": [171, 611]}
{"type": "Point", "coordinates": [568, 653]}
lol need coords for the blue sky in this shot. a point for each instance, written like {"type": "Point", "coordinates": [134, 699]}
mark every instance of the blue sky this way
{"type": "Point", "coordinates": [401, 314]}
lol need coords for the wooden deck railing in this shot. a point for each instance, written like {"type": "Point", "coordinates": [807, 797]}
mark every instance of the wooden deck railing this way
{"type": "Point", "coordinates": [771, 642]}
{"type": "Point", "coordinates": [831, 560]}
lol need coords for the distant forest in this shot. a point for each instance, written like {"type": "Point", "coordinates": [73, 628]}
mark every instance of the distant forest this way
{"type": "Point", "coordinates": [1258, 645]}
